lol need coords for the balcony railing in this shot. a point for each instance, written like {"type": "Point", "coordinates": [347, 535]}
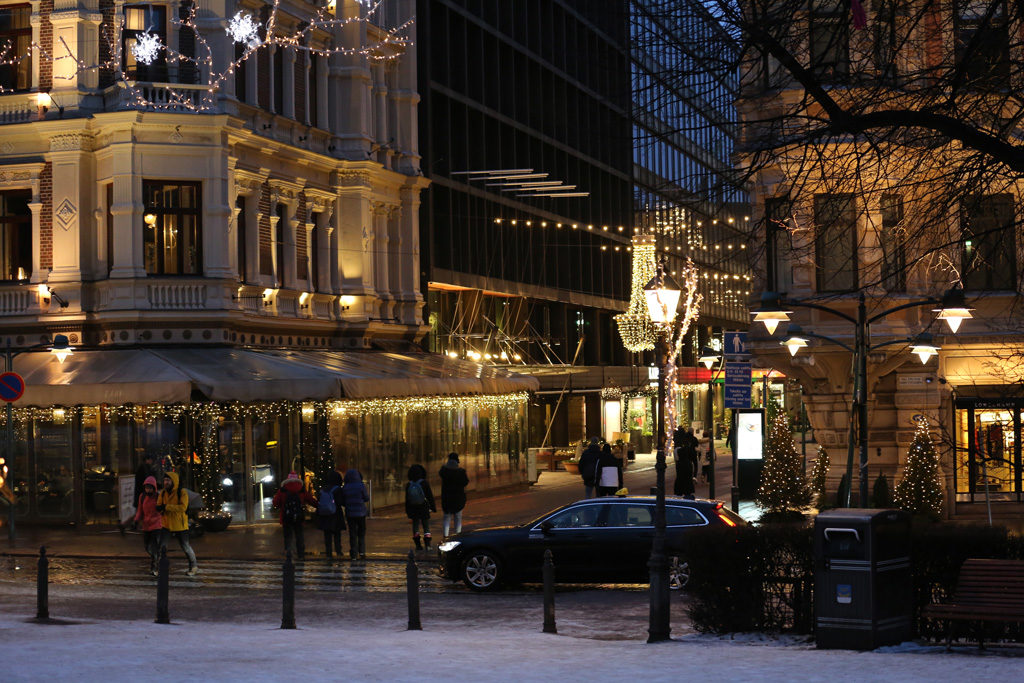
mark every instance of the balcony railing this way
{"type": "Point", "coordinates": [176, 296]}
{"type": "Point", "coordinates": [159, 96]}
{"type": "Point", "coordinates": [18, 108]}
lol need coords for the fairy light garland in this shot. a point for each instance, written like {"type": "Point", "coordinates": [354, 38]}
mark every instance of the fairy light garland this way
{"type": "Point", "coordinates": [635, 326]}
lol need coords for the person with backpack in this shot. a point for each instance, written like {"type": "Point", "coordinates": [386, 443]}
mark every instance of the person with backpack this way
{"type": "Point", "coordinates": [356, 497]}
{"type": "Point", "coordinates": [150, 520]}
{"type": "Point", "coordinates": [330, 513]}
{"type": "Point", "coordinates": [172, 503]}
{"type": "Point", "coordinates": [454, 481]}
{"type": "Point", "coordinates": [588, 466]}
{"type": "Point", "coordinates": [419, 503]}
{"type": "Point", "coordinates": [291, 499]}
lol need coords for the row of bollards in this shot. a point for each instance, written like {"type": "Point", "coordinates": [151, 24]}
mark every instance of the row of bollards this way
{"type": "Point", "coordinates": [288, 591]}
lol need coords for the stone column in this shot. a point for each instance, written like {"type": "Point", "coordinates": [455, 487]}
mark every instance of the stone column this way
{"type": "Point", "coordinates": [72, 197]}
{"type": "Point", "coordinates": [288, 83]}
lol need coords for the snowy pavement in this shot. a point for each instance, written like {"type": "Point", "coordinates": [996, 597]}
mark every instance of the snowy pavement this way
{"type": "Point", "coordinates": [142, 650]}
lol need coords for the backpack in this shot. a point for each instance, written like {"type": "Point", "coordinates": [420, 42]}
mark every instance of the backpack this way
{"type": "Point", "coordinates": [291, 513]}
{"type": "Point", "coordinates": [325, 505]}
{"type": "Point", "coordinates": [414, 494]}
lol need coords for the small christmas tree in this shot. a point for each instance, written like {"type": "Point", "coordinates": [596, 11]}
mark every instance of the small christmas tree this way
{"type": "Point", "coordinates": [210, 480]}
{"type": "Point", "coordinates": [819, 474]}
{"type": "Point", "coordinates": [920, 490]}
{"type": "Point", "coordinates": [783, 484]}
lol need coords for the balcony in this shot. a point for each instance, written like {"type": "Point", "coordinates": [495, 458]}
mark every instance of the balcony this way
{"type": "Point", "coordinates": [177, 97]}
{"type": "Point", "coordinates": [19, 108]}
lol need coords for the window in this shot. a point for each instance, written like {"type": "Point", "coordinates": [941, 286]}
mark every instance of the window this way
{"type": "Point", "coordinates": [835, 244]}
{"type": "Point", "coordinates": [989, 252]}
{"type": "Point", "coordinates": [314, 90]}
{"type": "Point", "coordinates": [829, 39]}
{"type": "Point", "coordinates": [891, 28]}
{"type": "Point", "coordinates": [15, 235]}
{"type": "Point", "coordinates": [776, 215]}
{"type": "Point", "coordinates": [172, 238]}
{"type": "Point", "coordinates": [314, 254]}
{"type": "Point", "coordinates": [139, 19]}
{"type": "Point", "coordinates": [15, 37]}
{"type": "Point", "coordinates": [630, 516]}
{"type": "Point", "coordinates": [682, 516]}
{"type": "Point", "coordinates": [983, 42]}
{"type": "Point", "coordinates": [240, 236]}
{"type": "Point", "coordinates": [892, 237]}
{"type": "Point", "coordinates": [282, 227]}
{"type": "Point", "coordinates": [279, 80]}
{"type": "Point", "coordinates": [576, 517]}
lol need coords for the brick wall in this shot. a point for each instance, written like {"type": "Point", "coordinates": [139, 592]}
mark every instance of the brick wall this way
{"type": "Point", "coordinates": [106, 41]}
{"type": "Point", "coordinates": [46, 41]}
{"type": "Point", "coordinates": [46, 217]}
{"type": "Point", "coordinates": [301, 250]}
{"type": "Point", "coordinates": [266, 247]}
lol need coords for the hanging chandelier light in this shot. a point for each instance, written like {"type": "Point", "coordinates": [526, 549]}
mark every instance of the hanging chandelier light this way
{"type": "Point", "coordinates": [635, 326]}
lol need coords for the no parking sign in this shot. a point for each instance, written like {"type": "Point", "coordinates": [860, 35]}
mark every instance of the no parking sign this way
{"type": "Point", "coordinates": [12, 386]}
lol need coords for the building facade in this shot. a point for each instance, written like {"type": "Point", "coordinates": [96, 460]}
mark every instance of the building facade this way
{"type": "Point", "coordinates": [898, 215]}
{"type": "Point", "coordinates": [226, 229]}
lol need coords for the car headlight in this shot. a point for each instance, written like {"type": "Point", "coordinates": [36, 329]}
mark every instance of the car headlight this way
{"type": "Point", "coordinates": [448, 546]}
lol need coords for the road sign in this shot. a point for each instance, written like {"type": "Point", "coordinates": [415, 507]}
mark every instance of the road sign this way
{"type": "Point", "coordinates": [736, 344]}
{"type": "Point", "coordinates": [737, 385]}
{"type": "Point", "coordinates": [12, 386]}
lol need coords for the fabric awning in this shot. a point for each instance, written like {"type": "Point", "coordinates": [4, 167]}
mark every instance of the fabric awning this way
{"type": "Point", "coordinates": [182, 375]}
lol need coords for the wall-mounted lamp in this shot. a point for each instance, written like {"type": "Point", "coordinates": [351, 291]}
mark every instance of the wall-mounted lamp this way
{"type": "Point", "coordinates": [149, 218]}
{"type": "Point", "coordinates": [45, 293]}
{"type": "Point", "coordinates": [346, 302]}
{"type": "Point", "coordinates": [44, 101]}
{"type": "Point", "coordinates": [304, 300]}
{"type": "Point", "coordinates": [303, 138]}
{"type": "Point", "coordinates": [267, 126]}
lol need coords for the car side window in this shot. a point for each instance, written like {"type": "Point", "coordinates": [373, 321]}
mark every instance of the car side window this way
{"type": "Point", "coordinates": [683, 516]}
{"type": "Point", "coordinates": [631, 516]}
{"type": "Point", "coordinates": [576, 518]}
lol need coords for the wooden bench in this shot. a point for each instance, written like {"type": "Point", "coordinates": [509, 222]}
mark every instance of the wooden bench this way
{"type": "Point", "coordinates": [986, 591]}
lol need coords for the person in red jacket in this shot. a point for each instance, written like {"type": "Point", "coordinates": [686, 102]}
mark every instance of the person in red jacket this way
{"type": "Point", "coordinates": [291, 499]}
{"type": "Point", "coordinates": [149, 519]}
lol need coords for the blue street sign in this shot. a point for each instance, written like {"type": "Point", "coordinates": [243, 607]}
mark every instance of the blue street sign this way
{"type": "Point", "coordinates": [12, 386]}
{"type": "Point", "coordinates": [736, 344]}
{"type": "Point", "coordinates": [737, 385]}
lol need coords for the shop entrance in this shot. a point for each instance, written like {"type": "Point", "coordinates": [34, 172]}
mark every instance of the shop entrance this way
{"type": "Point", "coordinates": [988, 449]}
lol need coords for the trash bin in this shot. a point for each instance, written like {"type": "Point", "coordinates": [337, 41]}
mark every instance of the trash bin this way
{"type": "Point", "coordinates": [862, 587]}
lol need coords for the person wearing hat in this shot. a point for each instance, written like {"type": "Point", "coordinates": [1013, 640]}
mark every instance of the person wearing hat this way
{"type": "Point", "coordinates": [453, 493]}
{"type": "Point", "coordinates": [291, 499]}
{"type": "Point", "coordinates": [150, 520]}
{"type": "Point", "coordinates": [173, 506]}
{"type": "Point", "coordinates": [588, 466]}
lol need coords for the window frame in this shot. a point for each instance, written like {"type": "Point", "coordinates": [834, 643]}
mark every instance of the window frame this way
{"type": "Point", "coordinates": [894, 257]}
{"type": "Point", "coordinates": [824, 243]}
{"type": "Point", "coordinates": [15, 231]}
{"type": "Point", "coordinates": [993, 73]}
{"type": "Point", "coordinates": [991, 243]}
{"type": "Point", "coordinates": [158, 240]}
{"type": "Point", "coordinates": [146, 73]}
{"type": "Point", "coordinates": [11, 75]}
{"type": "Point", "coordinates": [819, 20]}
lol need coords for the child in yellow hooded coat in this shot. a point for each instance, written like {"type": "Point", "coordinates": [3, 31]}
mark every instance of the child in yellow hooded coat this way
{"type": "Point", "coordinates": [173, 504]}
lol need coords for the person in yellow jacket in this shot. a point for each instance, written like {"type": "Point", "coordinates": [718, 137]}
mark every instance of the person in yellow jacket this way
{"type": "Point", "coordinates": [172, 504]}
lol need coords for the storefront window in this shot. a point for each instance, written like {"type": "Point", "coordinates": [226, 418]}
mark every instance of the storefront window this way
{"type": "Point", "coordinates": [988, 455]}
{"type": "Point", "coordinates": [54, 468]}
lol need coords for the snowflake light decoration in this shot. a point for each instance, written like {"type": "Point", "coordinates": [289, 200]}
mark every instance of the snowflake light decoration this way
{"type": "Point", "coordinates": [243, 29]}
{"type": "Point", "coordinates": [147, 46]}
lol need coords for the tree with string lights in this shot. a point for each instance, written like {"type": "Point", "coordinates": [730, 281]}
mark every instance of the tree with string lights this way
{"type": "Point", "coordinates": [783, 484]}
{"type": "Point", "coordinates": [920, 490]}
{"type": "Point", "coordinates": [819, 476]}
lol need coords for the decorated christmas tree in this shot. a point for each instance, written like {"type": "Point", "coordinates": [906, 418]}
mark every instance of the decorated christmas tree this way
{"type": "Point", "coordinates": [819, 475]}
{"type": "Point", "coordinates": [783, 484]}
{"type": "Point", "coordinates": [920, 490]}
{"type": "Point", "coordinates": [210, 478]}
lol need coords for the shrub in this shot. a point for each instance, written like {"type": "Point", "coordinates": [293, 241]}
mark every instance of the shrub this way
{"type": "Point", "coordinates": [880, 496]}
{"type": "Point", "coordinates": [819, 474]}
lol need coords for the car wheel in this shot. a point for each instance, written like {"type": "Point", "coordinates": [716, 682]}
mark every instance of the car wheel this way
{"type": "Point", "coordinates": [678, 573]}
{"type": "Point", "coordinates": [481, 570]}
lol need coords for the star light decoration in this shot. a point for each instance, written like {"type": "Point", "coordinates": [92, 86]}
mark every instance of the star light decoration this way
{"type": "Point", "coordinates": [146, 48]}
{"type": "Point", "coordinates": [243, 29]}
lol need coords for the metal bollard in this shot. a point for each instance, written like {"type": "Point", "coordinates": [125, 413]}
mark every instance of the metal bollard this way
{"type": "Point", "coordinates": [43, 586]}
{"type": "Point", "coordinates": [412, 584]}
{"type": "Point", "coordinates": [549, 593]}
{"type": "Point", "coordinates": [288, 593]}
{"type": "Point", "coordinates": [162, 581]}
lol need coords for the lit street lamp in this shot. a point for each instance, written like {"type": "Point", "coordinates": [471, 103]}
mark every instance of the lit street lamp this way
{"type": "Point", "coordinates": [773, 310]}
{"type": "Point", "coordinates": [662, 295]}
{"type": "Point", "coordinates": [61, 348]}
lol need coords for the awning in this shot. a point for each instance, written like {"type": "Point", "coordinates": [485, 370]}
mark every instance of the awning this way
{"type": "Point", "coordinates": [183, 375]}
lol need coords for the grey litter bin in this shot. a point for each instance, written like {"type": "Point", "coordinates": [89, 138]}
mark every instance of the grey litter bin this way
{"type": "Point", "coordinates": [862, 586]}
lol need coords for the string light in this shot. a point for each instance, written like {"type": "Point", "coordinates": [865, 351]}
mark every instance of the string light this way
{"type": "Point", "coordinates": [146, 48]}
{"type": "Point", "coordinates": [635, 326]}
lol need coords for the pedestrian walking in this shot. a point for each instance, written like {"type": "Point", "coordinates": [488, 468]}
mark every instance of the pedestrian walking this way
{"type": "Point", "coordinates": [149, 519]}
{"type": "Point", "coordinates": [609, 468]}
{"type": "Point", "coordinates": [291, 499]}
{"type": "Point", "coordinates": [686, 469]}
{"type": "Point", "coordinates": [588, 466]}
{"type": "Point", "coordinates": [330, 514]}
{"type": "Point", "coordinates": [143, 472]}
{"type": "Point", "coordinates": [356, 497]}
{"type": "Point", "coordinates": [419, 503]}
{"type": "Point", "coordinates": [173, 506]}
{"type": "Point", "coordinates": [454, 481]}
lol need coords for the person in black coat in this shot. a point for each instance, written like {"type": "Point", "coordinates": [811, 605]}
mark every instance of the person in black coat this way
{"type": "Point", "coordinates": [454, 481]}
{"type": "Point", "coordinates": [686, 466]}
{"type": "Point", "coordinates": [609, 472]}
{"type": "Point", "coordinates": [588, 466]}
{"type": "Point", "coordinates": [332, 524]}
{"type": "Point", "coordinates": [419, 503]}
{"type": "Point", "coordinates": [144, 471]}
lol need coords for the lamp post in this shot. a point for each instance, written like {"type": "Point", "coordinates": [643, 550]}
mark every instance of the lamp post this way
{"type": "Point", "coordinates": [662, 295]}
{"type": "Point", "coordinates": [708, 357]}
{"type": "Point", "coordinates": [61, 349]}
{"type": "Point", "coordinates": [952, 308]}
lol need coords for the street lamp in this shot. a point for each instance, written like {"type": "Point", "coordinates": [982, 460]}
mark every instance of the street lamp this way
{"type": "Point", "coordinates": [662, 294]}
{"type": "Point", "coordinates": [952, 308]}
{"type": "Point", "coordinates": [61, 348]}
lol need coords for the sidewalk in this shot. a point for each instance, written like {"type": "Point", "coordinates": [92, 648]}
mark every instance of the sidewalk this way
{"type": "Point", "coordinates": [388, 535]}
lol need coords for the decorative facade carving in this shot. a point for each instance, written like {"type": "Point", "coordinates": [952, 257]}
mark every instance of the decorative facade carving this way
{"type": "Point", "coordinates": [354, 179]}
{"type": "Point", "coordinates": [71, 142]}
{"type": "Point", "coordinates": [65, 213]}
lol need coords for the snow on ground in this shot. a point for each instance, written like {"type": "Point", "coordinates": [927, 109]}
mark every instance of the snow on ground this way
{"type": "Point", "coordinates": [142, 650]}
